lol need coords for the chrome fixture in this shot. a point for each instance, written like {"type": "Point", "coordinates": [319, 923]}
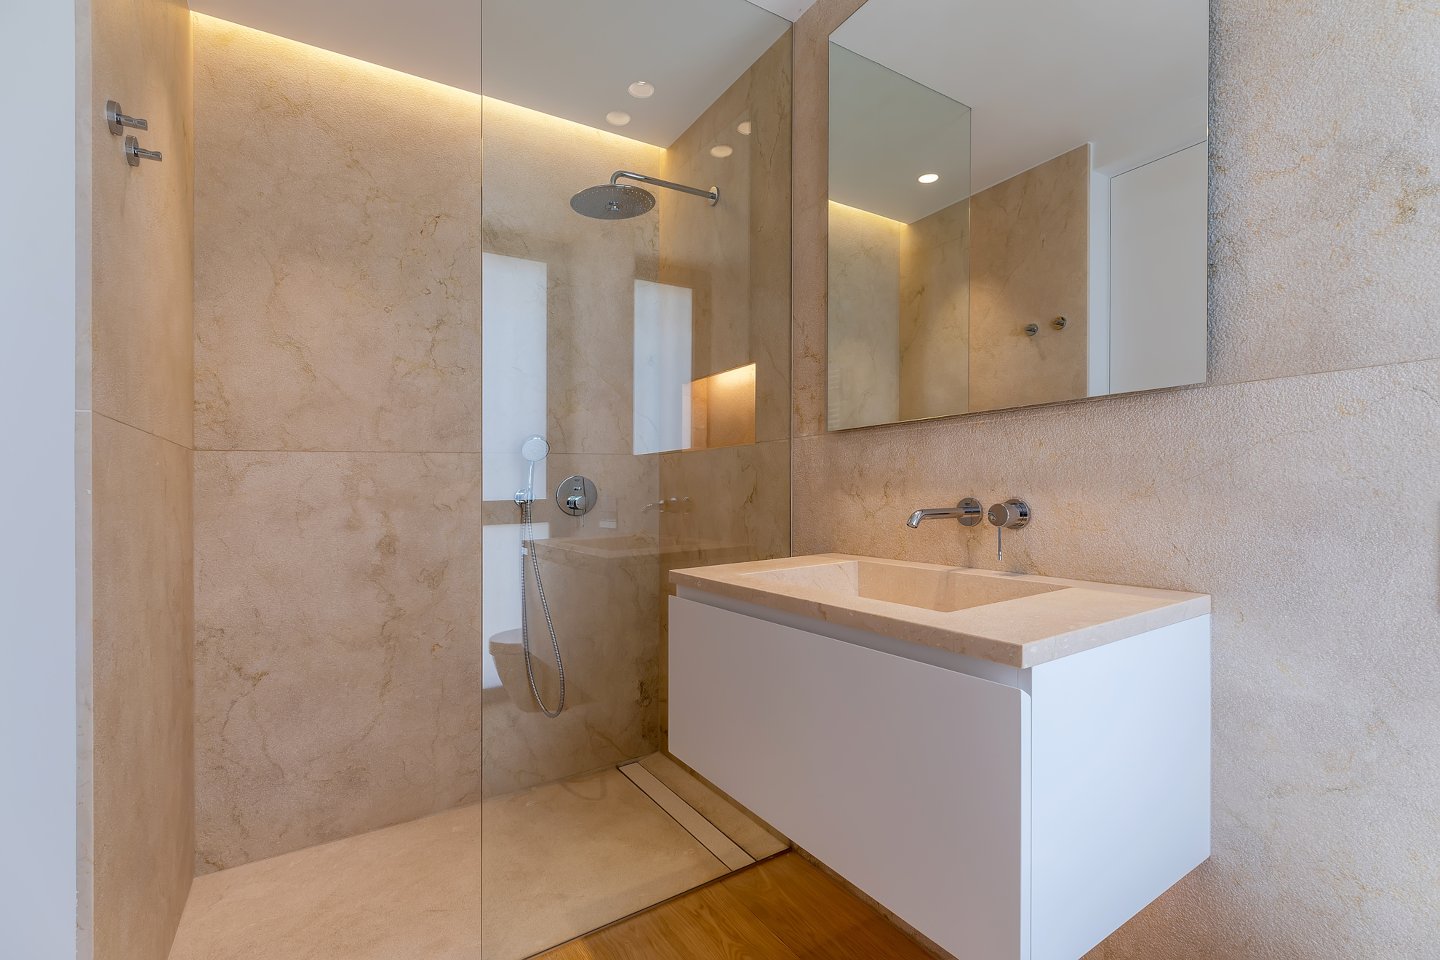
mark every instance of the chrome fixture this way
{"type": "Point", "coordinates": [620, 201]}
{"type": "Point", "coordinates": [669, 505]}
{"type": "Point", "coordinates": [1059, 323]}
{"type": "Point", "coordinates": [116, 120]}
{"type": "Point", "coordinates": [134, 153]}
{"type": "Point", "coordinates": [576, 496]}
{"type": "Point", "coordinates": [1031, 329]}
{"type": "Point", "coordinates": [1010, 515]}
{"type": "Point", "coordinates": [534, 450]}
{"type": "Point", "coordinates": [968, 511]}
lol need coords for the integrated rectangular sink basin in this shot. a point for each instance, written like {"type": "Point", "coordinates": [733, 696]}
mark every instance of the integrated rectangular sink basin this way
{"type": "Point", "coordinates": [929, 588]}
{"type": "Point", "coordinates": [1018, 620]}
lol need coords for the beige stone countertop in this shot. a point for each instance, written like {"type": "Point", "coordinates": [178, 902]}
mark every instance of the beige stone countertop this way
{"type": "Point", "coordinates": [1013, 619]}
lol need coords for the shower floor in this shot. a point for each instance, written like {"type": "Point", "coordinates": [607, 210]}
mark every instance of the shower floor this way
{"type": "Point", "coordinates": [548, 864]}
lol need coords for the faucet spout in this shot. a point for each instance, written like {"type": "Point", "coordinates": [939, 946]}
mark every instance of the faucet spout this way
{"type": "Point", "coordinates": [920, 515]}
{"type": "Point", "coordinates": [967, 511]}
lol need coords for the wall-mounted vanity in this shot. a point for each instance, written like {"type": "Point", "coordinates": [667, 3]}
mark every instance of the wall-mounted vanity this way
{"type": "Point", "coordinates": [1018, 205]}
{"type": "Point", "coordinates": [1013, 765]}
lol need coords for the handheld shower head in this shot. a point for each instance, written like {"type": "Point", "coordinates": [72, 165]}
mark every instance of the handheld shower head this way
{"type": "Point", "coordinates": [534, 449]}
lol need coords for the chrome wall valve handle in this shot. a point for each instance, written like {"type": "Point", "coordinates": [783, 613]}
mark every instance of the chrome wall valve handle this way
{"type": "Point", "coordinates": [1010, 515]}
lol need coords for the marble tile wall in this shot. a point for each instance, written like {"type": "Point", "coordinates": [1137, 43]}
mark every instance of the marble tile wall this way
{"type": "Point", "coordinates": [732, 503]}
{"type": "Point", "coordinates": [337, 420]}
{"type": "Point", "coordinates": [137, 831]}
{"type": "Point", "coordinates": [733, 254]}
{"type": "Point", "coordinates": [935, 315]}
{"type": "Point", "coordinates": [1287, 487]}
{"type": "Point", "coordinates": [338, 489]}
{"type": "Point", "coordinates": [603, 596]}
{"type": "Point", "coordinates": [865, 253]}
{"type": "Point", "coordinates": [1030, 263]}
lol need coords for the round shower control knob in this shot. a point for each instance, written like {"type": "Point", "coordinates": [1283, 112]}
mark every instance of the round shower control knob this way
{"type": "Point", "coordinates": [576, 496]}
{"type": "Point", "coordinates": [1011, 515]}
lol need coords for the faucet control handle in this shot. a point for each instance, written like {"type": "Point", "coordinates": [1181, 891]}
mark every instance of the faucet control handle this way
{"type": "Point", "coordinates": [1010, 515]}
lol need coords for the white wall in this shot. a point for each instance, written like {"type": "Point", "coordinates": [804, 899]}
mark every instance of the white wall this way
{"type": "Point", "coordinates": [514, 371]}
{"type": "Point", "coordinates": [1158, 273]}
{"type": "Point", "coordinates": [38, 264]}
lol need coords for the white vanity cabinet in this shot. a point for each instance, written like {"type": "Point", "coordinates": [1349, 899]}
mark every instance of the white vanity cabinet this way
{"type": "Point", "coordinates": [1003, 812]}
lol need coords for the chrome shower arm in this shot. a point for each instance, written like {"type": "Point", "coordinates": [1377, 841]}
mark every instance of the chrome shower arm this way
{"type": "Point", "coordinates": [713, 194]}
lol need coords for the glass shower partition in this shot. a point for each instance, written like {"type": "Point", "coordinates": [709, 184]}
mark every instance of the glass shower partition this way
{"type": "Point", "coordinates": [651, 354]}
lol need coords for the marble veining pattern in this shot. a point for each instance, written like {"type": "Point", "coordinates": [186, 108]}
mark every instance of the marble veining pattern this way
{"type": "Point", "coordinates": [142, 689]}
{"type": "Point", "coordinates": [136, 826]}
{"type": "Point", "coordinates": [337, 645]}
{"type": "Point", "coordinates": [337, 269]}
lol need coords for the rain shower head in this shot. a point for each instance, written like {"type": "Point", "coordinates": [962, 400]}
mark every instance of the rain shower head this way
{"type": "Point", "coordinates": [612, 201]}
{"type": "Point", "coordinates": [620, 201]}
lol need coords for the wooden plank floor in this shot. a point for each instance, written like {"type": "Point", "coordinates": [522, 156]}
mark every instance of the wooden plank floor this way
{"type": "Point", "coordinates": [781, 909]}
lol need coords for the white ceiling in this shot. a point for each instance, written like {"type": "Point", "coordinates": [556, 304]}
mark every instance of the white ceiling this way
{"type": "Point", "coordinates": [885, 131]}
{"type": "Point", "coordinates": [568, 58]}
{"type": "Point", "coordinates": [576, 58]}
{"type": "Point", "coordinates": [1044, 76]}
{"type": "Point", "coordinates": [789, 9]}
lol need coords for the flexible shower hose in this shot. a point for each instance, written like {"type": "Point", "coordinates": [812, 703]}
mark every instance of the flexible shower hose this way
{"type": "Point", "coordinates": [527, 546]}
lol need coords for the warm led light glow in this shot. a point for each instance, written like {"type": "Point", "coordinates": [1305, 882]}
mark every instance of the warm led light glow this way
{"type": "Point", "coordinates": [722, 408]}
{"type": "Point", "coordinates": [721, 151]}
{"type": "Point", "coordinates": [744, 128]}
{"type": "Point", "coordinates": [617, 118]}
{"type": "Point", "coordinates": [929, 177]}
{"type": "Point", "coordinates": [642, 90]}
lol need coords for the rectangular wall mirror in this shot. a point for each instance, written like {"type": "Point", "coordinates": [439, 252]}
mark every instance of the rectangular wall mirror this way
{"type": "Point", "coordinates": [1018, 204]}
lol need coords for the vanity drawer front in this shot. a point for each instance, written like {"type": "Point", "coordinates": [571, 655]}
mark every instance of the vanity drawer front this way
{"type": "Point", "coordinates": [907, 779]}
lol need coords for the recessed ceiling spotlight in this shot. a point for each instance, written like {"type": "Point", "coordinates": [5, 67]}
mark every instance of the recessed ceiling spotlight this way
{"type": "Point", "coordinates": [721, 150]}
{"type": "Point", "coordinates": [617, 118]}
{"type": "Point", "coordinates": [744, 128]}
{"type": "Point", "coordinates": [642, 90]}
{"type": "Point", "coordinates": [929, 177]}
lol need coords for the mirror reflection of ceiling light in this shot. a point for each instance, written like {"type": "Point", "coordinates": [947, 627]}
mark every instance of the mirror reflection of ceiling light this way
{"type": "Point", "coordinates": [617, 118]}
{"type": "Point", "coordinates": [929, 177]}
{"type": "Point", "coordinates": [721, 151]}
{"type": "Point", "coordinates": [744, 128]}
{"type": "Point", "coordinates": [642, 90]}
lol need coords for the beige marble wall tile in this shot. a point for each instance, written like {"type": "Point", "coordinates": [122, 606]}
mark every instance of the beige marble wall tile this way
{"type": "Point", "coordinates": [338, 645]}
{"type": "Point", "coordinates": [1030, 263]}
{"type": "Point", "coordinates": [143, 763]}
{"type": "Point", "coordinates": [1324, 186]}
{"type": "Point", "coordinates": [810, 196]}
{"type": "Point", "coordinates": [935, 315]}
{"type": "Point", "coordinates": [533, 165]}
{"type": "Point", "coordinates": [142, 218]}
{"type": "Point", "coordinates": [863, 340]}
{"type": "Point", "coordinates": [135, 757]}
{"type": "Point", "coordinates": [337, 269]}
{"type": "Point", "coordinates": [735, 255]}
{"type": "Point", "coordinates": [604, 599]}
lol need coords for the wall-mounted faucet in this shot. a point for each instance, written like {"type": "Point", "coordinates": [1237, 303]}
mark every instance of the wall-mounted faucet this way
{"type": "Point", "coordinates": [968, 511]}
